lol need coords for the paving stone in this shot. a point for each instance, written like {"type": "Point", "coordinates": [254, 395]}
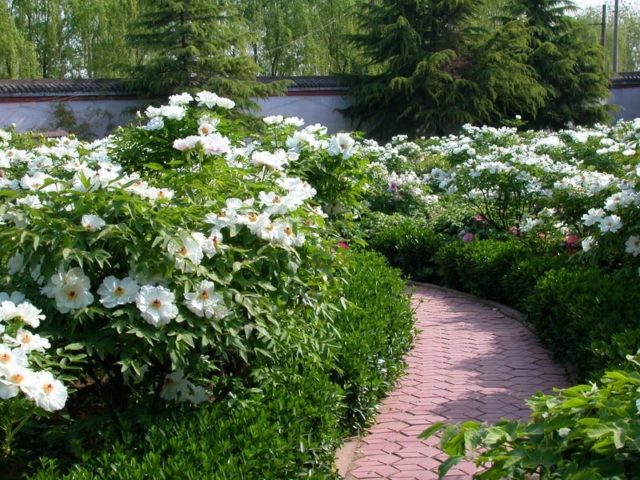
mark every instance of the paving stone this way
{"type": "Point", "coordinates": [469, 362]}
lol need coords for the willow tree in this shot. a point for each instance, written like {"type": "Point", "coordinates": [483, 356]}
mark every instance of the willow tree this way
{"type": "Point", "coordinates": [301, 37]}
{"type": "Point", "coordinates": [17, 55]}
{"type": "Point", "coordinates": [431, 69]}
{"type": "Point", "coordinates": [42, 22]}
{"type": "Point", "coordinates": [196, 44]}
{"type": "Point", "coordinates": [570, 67]}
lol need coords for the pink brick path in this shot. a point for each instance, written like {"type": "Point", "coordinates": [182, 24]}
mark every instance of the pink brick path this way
{"type": "Point", "coordinates": [469, 361]}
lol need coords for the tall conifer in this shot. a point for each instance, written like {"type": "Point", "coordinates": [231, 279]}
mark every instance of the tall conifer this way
{"type": "Point", "coordinates": [433, 69]}
{"type": "Point", "coordinates": [194, 44]}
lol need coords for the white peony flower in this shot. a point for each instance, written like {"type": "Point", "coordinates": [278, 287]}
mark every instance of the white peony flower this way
{"type": "Point", "coordinates": [187, 250]}
{"type": "Point", "coordinates": [173, 112]}
{"type": "Point", "coordinates": [295, 121]}
{"type": "Point", "coordinates": [47, 392]}
{"type": "Point", "coordinates": [156, 305]}
{"type": "Point", "coordinates": [205, 302]}
{"type": "Point", "coordinates": [11, 358]}
{"type": "Point", "coordinates": [593, 216]}
{"type": "Point", "coordinates": [341, 144]}
{"type": "Point", "coordinates": [92, 223]}
{"type": "Point", "coordinates": [156, 123]}
{"type": "Point", "coordinates": [29, 314]}
{"type": "Point", "coordinates": [114, 292]}
{"type": "Point", "coordinates": [70, 290]}
{"type": "Point", "coordinates": [274, 160]}
{"type": "Point", "coordinates": [187, 143]}
{"type": "Point", "coordinates": [632, 245]}
{"type": "Point", "coordinates": [588, 243]}
{"type": "Point", "coordinates": [177, 388]}
{"type": "Point", "coordinates": [215, 144]}
{"type": "Point", "coordinates": [273, 119]}
{"type": "Point", "coordinates": [612, 224]}
{"type": "Point", "coordinates": [211, 100]}
{"type": "Point", "coordinates": [181, 99]}
{"type": "Point", "coordinates": [15, 379]}
{"type": "Point", "coordinates": [28, 341]}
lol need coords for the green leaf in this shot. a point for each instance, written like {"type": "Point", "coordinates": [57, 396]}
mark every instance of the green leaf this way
{"type": "Point", "coordinates": [448, 464]}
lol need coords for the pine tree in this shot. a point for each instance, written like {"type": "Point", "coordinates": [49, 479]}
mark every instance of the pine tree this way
{"type": "Point", "coordinates": [570, 66]}
{"type": "Point", "coordinates": [191, 45]}
{"type": "Point", "coordinates": [432, 69]}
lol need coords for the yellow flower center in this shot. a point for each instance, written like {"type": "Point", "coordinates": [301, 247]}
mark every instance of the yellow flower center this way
{"type": "Point", "coordinates": [287, 231]}
{"type": "Point", "coordinates": [252, 217]}
{"type": "Point", "coordinates": [183, 251]}
{"type": "Point", "coordinates": [16, 378]}
{"type": "Point", "coordinates": [5, 357]}
{"type": "Point", "coordinates": [72, 294]}
{"type": "Point", "coordinates": [156, 304]}
{"type": "Point", "coordinates": [204, 294]}
{"type": "Point", "coordinates": [26, 338]}
{"type": "Point", "coordinates": [119, 291]}
{"type": "Point", "coordinates": [47, 388]}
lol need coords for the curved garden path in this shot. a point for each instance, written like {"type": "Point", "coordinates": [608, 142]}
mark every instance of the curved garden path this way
{"type": "Point", "coordinates": [471, 360]}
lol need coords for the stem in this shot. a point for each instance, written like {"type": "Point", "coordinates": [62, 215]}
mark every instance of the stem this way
{"type": "Point", "coordinates": [112, 412]}
{"type": "Point", "coordinates": [11, 431]}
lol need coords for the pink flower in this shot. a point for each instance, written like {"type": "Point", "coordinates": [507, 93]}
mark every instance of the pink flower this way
{"type": "Point", "coordinates": [468, 237]}
{"type": "Point", "coordinates": [571, 240]}
{"type": "Point", "coordinates": [479, 218]}
{"type": "Point", "coordinates": [515, 231]}
{"type": "Point", "coordinates": [343, 245]}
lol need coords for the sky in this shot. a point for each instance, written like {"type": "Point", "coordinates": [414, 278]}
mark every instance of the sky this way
{"type": "Point", "coordinates": [598, 3]}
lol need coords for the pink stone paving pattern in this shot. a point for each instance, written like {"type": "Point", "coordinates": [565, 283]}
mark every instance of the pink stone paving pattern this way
{"type": "Point", "coordinates": [469, 361]}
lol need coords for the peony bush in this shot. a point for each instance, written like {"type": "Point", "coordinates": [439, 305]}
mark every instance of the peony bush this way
{"type": "Point", "coordinates": [162, 263]}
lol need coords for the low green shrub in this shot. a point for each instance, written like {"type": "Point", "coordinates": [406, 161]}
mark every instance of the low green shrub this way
{"type": "Point", "coordinates": [587, 317]}
{"type": "Point", "coordinates": [375, 333]}
{"type": "Point", "coordinates": [408, 243]}
{"type": "Point", "coordinates": [586, 432]}
{"type": "Point", "coordinates": [480, 267]}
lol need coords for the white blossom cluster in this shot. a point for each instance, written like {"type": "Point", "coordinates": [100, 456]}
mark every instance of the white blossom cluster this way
{"type": "Point", "coordinates": [17, 317]}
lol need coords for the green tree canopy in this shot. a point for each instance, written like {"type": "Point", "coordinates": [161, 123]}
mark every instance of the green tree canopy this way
{"type": "Point", "coordinates": [196, 44]}
{"type": "Point", "coordinates": [432, 68]}
{"type": "Point", "coordinates": [569, 65]}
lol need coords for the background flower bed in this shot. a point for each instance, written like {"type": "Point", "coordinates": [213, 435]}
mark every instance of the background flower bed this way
{"type": "Point", "coordinates": [544, 221]}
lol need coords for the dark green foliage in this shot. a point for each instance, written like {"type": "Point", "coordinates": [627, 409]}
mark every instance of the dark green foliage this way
{"type": "Point", "coordinates": [432, 70]}
{"type": "Point", "coordinates": [287, 431]}
{"type": "Point", "coordinates": [480, 267]}
{"type": "Point", "coordinates": [192, 45]}
{"type": "Point", "coordinates": [570, 66]}
{"type": "Point", "coordinates": [408, 243]}
{"type": "Point", "coordinates": [375, 332]}
{"type": "Point", "coordinates": [589, 432]}
{"type": "Point", "coordinates": [587, 317]}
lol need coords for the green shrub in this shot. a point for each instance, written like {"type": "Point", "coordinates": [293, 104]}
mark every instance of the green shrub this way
{"type": "Point", "coordinates": [408, 243]}
{"type": "Point", "coordinates": [587, 317]}
{"type": "Point", "coordinates": [587, 432]}
{"type": "Point", "coordinates": [287, 431]}
{"type": "Point", "coordinates": [375, 333]}
{"type": "Point", "coordinates": [480, 267]}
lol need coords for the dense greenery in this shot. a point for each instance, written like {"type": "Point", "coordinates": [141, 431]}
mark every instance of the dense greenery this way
{"type": "Point", "coordinates": [583, 432]}
{"type": "Point", "coordinates": [434, 67]}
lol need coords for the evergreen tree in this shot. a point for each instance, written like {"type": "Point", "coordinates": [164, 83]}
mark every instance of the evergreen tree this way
{"type": "Point", "coordinates": [432, 69]}
{"type": "Point", "coordinates": [195, 44]}
{"type": "Point", "coordinates": [570, 67]}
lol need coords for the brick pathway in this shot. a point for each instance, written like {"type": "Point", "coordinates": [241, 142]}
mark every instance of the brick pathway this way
{"type": "Point", "coordinates": [469, 361]}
